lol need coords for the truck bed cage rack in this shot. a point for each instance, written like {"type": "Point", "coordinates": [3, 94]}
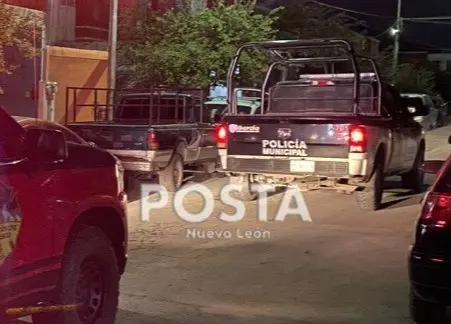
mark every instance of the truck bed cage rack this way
{"type": "Point", "coordinates": [104, 100]}
{"type": "Point", "coordinates": [279, 45]}
{"type": "Point", "coordinates": [357, 80]}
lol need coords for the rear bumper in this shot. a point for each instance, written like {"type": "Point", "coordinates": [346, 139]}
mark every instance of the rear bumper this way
{"type": "Point", "coordinates": [430, 279]}
{"type": "Point", "coordinates": [324, 167]}
{"type": "Point", "coordinates": [134, 160]}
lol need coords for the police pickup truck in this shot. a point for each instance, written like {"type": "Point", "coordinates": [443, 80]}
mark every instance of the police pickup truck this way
{"type": "Point", "coordinates": [346, 131]}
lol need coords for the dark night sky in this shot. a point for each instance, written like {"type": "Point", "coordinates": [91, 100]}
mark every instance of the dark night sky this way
{"type": "Point", "coordinates": [420, 35]}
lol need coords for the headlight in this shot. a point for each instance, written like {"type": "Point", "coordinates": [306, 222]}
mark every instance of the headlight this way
{"type": "Point", "coordinates": [418, 119]}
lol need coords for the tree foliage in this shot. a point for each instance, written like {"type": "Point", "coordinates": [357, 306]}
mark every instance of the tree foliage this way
{"type": "Point", "coordinates": [443, 84]}
{"type": "Point", "coordinates": [306, 19]}
{"type": "Point", "coordinates": [16, 30]}
{"type": "Point", "coordinates": [414, 78]}
{"type": "Point", "coordinates": [409, 77]}
{"type": "Point", "coordinates": [182, 47]}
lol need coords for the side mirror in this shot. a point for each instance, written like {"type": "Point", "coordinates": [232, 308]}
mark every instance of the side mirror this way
{"type": "Point", "coordinates": [45, 146]}
{"type": "Point", "coordinates": [411, 110]}
{"type": "Point", "coordinates": [433, 167]}
{"type": "Point", "coordinates": [91, 144]}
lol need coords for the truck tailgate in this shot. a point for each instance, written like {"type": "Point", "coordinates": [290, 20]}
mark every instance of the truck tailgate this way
{"type": "Point", "coordinates": [113, 136]}
{"type": "Point", "coordinates": [267, 144]}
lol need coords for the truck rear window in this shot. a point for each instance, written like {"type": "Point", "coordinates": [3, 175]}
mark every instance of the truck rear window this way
{"type": "Point", "coordinates": [164, 110]}
{"type": "Point", "coordinates": [294, 97]}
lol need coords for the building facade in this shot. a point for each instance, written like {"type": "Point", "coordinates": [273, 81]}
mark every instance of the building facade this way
{"type": "Point", "coordinates": [87, 20]}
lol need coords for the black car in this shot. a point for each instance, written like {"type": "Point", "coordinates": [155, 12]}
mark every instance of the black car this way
{"type": "Point", "coordinates": [430, 255]}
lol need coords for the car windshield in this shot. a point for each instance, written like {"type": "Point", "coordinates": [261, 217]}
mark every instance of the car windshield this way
{"type": "Point", "coordinates": [413, 102]}
{"type": "Point", "coordinates": [221, 109]}
{"type": "Point", "coordinates": [215, 109]}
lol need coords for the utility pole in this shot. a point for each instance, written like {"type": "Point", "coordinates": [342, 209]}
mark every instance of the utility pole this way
{"type": "Point", "coordinates": [112, 52]}
{"type": "Point", "coordinates": [397, 36]}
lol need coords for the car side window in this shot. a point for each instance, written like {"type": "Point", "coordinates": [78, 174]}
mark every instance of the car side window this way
{"type": "Point", "coordinates": [11, 138]}
{"type": "Point", "coordinates": [68, 135]}
{"type": "Point", "coordinates": [244, 110]}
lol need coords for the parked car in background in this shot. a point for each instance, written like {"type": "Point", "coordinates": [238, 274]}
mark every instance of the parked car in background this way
{"type": "Point", "coordinates": [430, 255]}
{"type": "Point", "coordinates": [218, 106]}
{"type": "Point", "coordinates": [424, 107]}
{"type": "Point", "coordinates": [442, 107]}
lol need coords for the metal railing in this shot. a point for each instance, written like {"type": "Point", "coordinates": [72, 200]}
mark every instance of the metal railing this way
{"type": "Point", "coordinates": [97, 104]}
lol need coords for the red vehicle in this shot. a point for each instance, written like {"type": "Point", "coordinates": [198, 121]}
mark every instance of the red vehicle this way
{"type": "Point", "coordinates": [63, 227]}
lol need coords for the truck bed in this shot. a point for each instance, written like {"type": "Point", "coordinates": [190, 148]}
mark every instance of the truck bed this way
{"type": "Point", "coordinates": [126, 136]}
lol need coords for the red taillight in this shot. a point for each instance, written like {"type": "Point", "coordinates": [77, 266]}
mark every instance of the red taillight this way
{"type": "Point", "coordinates": [357, 139]}
{"type": "Point", "coordinates": [437, 208]}
{"type": "Point", "coordinates": [222, 136]}
{"type": "Point", "coordinates": [321, 83]}
{"type": "Point", "coordinates": [152, 141]}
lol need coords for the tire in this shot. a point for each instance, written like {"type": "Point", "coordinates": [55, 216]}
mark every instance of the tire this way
{"type": "Point", "coordinates": [172, 176]}
{"type": "Point", "coordinates": [370, 198]}
{"type": "Point", "coordinates": [414, 179]}
{"type": "Point", "coordinates": [245, 193]}
{"type": "Point", "coordinates": [423, 312]}
{"type": "Point", "coordinates": [90, 254]}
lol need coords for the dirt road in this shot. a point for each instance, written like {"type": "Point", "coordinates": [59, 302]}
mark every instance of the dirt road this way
{"type": "Point", "coordinates": [344, 267]}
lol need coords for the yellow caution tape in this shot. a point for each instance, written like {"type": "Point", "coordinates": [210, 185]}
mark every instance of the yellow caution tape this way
{"type": "Point", "coordinates": [27, 311]}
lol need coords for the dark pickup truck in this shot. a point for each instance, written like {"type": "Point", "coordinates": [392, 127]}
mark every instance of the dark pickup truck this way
{"type": "Point", "coordinates": [346, 131]}
{"type": "Point", "coordinates": [156, 133]}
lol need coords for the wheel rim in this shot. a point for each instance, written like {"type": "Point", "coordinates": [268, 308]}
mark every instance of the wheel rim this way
{"type": "Point", "coordinates": [90, 292]}
{"type": "Point", "coordinates": [177, 174]}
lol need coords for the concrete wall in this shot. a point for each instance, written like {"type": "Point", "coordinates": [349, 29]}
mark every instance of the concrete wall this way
{"type": "Point", "coordinates": [61, 19]}
{"type": "Point", "coordinates": [17, 98]}
{"type": "Point", "coordinates": [21, 88]}
{"type": "Point", "coordinates": [71, 67]}
{"type": "Point", "coordinates": [443, 60]}
{"type": "Point", "coordinates": [413, 57]}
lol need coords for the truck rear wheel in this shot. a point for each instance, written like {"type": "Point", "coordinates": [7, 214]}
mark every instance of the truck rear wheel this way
{"type": "Point", "coordinates": [172, 176]}
{"type": "Point", "coordinates": [414, 179]}
{"type": "Point", "coordinates": [89, 278]}
{"type": "Point", "coordinates": [370, 198]}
